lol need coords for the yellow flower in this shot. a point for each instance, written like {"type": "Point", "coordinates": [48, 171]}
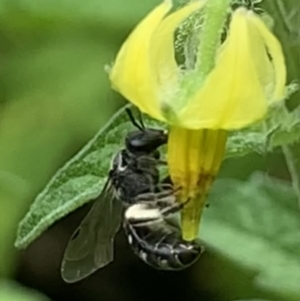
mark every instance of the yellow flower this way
{"type": "Point", "coordinates": [249, 75]}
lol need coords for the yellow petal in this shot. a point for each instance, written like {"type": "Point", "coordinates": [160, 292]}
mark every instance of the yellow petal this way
{"type": "Point", "coordinates": [163, 51]}
{"type": "Point", "coordinates": [232, 95]}
{"type": "Point", "coordinates": [275, 51]}
{"type": "Point", "coordinates": [132, 73]}
{"type": "Point", "coordinates": [145, 70]}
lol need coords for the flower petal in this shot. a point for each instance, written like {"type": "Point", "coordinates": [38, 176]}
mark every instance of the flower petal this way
{"type": "Point", "coordinates": [232, 95]}
{"type": "Point", "coordinates": [145, 70]}
{"type": "Point", "coordinates": [132, 73]}
{"type": "Point", "coordinates": [261, 61]}
{"type": "Point", "coordinates": [163, 51]}
{"type": "Point", "coordinates": [275, 51]}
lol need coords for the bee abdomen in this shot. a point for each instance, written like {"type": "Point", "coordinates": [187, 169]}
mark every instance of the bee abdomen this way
{"type": "Point", "coordinates": [172, 257]}
{"type": "Point", "coordinates": [167, 252]}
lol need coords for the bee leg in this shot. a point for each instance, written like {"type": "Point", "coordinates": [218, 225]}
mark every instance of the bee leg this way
{"type": "Point", "coordinates": [173, 207]}
{"type": "Point", "coordinates": [162, 162]}
{"type": "Point", "coordinates": [165, 186]}
{"type": "Point", "coordinates": [167, 180]}
{"type": "Point", "coordinates": [165, 201]}
{"type": "Point", "coordinates": [155, 197]}
{"type": "Point", "coordinates": [146, 223]}
{"type": "Point", "coordinates": [144, 197]}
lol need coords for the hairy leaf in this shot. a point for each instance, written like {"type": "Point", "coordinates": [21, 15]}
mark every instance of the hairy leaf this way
{"type": "Point", "coordinates": [281, 127]}
{"type": "Point", "coordinates": [79, 181]}
{"type": "Point", "coordinates": [256, 223]}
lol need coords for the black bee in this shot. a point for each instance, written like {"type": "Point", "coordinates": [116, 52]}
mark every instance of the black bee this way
{"type": "Point", "coordinates": [134, 171]}
{"type": "Point", "coordinates": [133, 184]}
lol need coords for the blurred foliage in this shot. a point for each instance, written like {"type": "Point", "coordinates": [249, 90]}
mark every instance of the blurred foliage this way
{"type": "Point", "coordinates": [55, 95]}
{"type": "Point", "coordinates": [10, 291]}
{"type": "Point", "coordinates": [256, 223]}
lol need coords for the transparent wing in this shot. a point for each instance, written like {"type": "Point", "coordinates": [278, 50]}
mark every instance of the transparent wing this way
{"type": "Point", "coordinates": [91, 245]}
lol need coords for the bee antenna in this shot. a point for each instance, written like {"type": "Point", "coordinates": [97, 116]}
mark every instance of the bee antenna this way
{"type": "Point", "coordinates": [141, 120]}
{"type": "Point", "coordinates": [140, 126]}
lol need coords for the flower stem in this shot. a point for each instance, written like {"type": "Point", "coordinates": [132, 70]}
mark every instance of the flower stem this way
{"type": "Point", "coordinates": [293, 165]}
{"type": "Point", "coordinates": [215, 16]}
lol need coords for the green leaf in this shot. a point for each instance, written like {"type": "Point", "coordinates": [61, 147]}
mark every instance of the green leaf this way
{"type": "Point", "coordinates": [241, 143]}
{"type": "Point", "coordinates": [256, 223]}
{"type": "Point", "coordinates": [279, 128]}
{"type": "Point", "coordinates": [287, 131]}
{"type": "Point", "coordinates": [76, 183]}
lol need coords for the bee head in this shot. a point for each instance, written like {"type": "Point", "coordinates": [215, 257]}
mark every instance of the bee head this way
{"type": "Point", "coordinates": [144, 140]}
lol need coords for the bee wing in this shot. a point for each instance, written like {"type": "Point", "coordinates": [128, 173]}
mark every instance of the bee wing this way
{"type": "Point", "coordinates": [91, 245]}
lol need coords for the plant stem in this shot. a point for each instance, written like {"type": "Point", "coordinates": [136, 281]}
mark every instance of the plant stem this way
{"type": "Point", "coordinates": [293, 165]}
{"type": "Point", "coordinates": [215, 16]}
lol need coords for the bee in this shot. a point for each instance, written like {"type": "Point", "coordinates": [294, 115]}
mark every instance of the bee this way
{"type": "Point", "coordinates": [133, 196]}
{"type": "Point", "coordinates": [134, 171]}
